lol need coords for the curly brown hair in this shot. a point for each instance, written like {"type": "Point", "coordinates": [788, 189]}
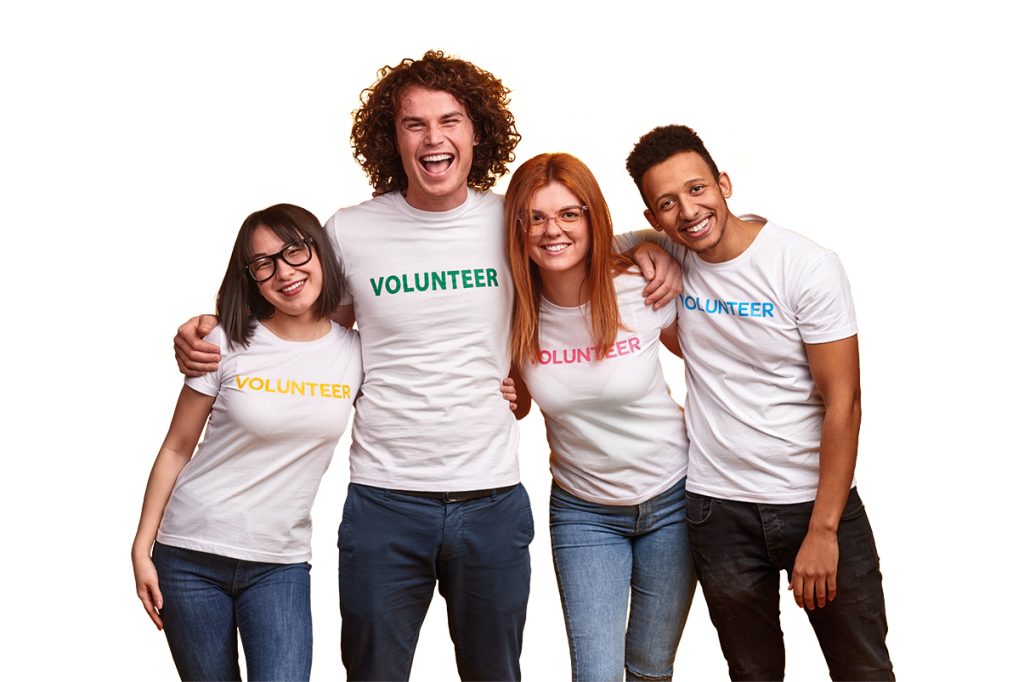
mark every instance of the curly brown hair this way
{"type": "Point", "coordinates": [374, 141]}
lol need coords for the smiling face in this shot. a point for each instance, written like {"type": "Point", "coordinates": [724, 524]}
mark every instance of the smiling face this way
{"type": "Point", "coordinates": [557, 251]}
{"type": "Point", "coordinates": [435, 140]}
{"type": "Point", "coordinates": [686, 202]}
{"type": "Point", "coordinates": [293, 289]}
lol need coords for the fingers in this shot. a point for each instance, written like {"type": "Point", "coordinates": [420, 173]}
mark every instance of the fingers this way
{"type": "Point", "coordinates": [194, 356]}
{"type": "Point", "coordinates": [660, 295]}
{"type": "Point", "coordinates": [810, 593]}
{"type": "Point", "coordinates": [508, 392]}
{"type": "Point", "coordinates": [645, 262]}
{"type": "Point", "coordinates": [152, 601]}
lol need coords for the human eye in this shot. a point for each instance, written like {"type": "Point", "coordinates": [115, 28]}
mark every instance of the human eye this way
{"type": "Point", "coordinates": [666, 203]}
{"type": "Point", "coordinates": [261, 266]}
{"type": "Point", "coordinates": [698, 189]}
{"type": "Point", "coordinates": [295, 251]}
{"type": "Point", "coordinates": [537, 218]}
{"type": "Point", "coordinates": [570, 215]}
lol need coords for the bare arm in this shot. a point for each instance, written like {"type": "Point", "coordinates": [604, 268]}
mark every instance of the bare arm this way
{"type": "Point", "coordinates": [835, 367]}
{"type": "Point", "coordinates": [663, 274]}
{"type": "Point", "coordinates": [670, 339]}
{"type": "Point", "coordinates": [190, 415]}
{"type": "Point", "coordinates": [196, 357]}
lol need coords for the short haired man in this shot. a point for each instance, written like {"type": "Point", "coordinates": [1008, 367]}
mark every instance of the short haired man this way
{"type": "Point", "coordinates": [434, 494]}
{"type": "Point", "coordinates": [768, 332]}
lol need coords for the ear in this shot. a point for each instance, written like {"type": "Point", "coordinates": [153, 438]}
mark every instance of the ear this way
{"type": "Point", "coordinates": [649, 214]}
{"type": "Point", "coordinates": [725, 184]}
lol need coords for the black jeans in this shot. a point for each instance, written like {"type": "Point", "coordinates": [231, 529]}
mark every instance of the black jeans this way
{"type": "Point", "coordinates": [739, 549]}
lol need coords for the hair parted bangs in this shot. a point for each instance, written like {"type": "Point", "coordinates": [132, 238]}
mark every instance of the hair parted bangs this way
{"type": "Point", "coordinates": [374, 140]}
{"type": "Point", "coordinates": [239, 302]}
{"type": "Point", "coordinates": [660, 144]}
{"type": "Point", "coordinates": [602, 262]}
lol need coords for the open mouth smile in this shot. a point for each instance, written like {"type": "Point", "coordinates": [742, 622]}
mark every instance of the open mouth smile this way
{"type": "Point", "coordinates": [698, 228]}
{"type": "Point", "coordinates": [437, 163]}
{"type": "Point", "coordinates": [294, 288]}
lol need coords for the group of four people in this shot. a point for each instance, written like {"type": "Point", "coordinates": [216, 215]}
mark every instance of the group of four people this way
{"type": "Point", "coordinates": [454, 288]}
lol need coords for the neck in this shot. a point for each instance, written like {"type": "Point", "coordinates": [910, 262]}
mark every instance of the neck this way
{"type": "Point", "coordinates": [292, 328]}
{"type": "Point", "coordinates": [737, 236]}
{"type": "Point", "coordinates": [565, 289]}
{"type": "Point", "coordinates": [436, 204]}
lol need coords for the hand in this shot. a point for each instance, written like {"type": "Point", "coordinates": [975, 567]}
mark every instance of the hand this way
{"type": "Point", "coordinates": [194, 356]}
{"type": "Point", "coordinates": [148, 588]}
{"type": "Point", "coordinates": [814, 571]}
{"type": "Point", "coordinates": [663, 274]}
{"type": "Point", "coordinates": [508, 392]}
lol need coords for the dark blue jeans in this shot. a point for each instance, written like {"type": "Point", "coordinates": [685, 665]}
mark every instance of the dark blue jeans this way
{"type": "Point", "coordinates": [210, 599]}
{"type": "Point", "coordinates": [740, 548]}
{"type": "Point", "coordinates": [394, 547]}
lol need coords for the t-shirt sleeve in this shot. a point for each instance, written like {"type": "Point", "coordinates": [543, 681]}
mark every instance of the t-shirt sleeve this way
{"type": "Point", "coordinates": [209, 383]}
{"type": "Point", "coordinates": [629, 240]}
{"type": "Point", "coordinates": [331, 227]}
{"type": "Point", "coordinates": [824, 310]}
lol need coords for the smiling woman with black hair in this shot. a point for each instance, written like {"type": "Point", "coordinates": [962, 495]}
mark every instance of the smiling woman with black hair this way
{"type": "Point", "coordinates": [222, 547]}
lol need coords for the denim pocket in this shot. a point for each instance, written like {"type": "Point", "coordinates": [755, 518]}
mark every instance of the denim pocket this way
{"type": "Point", "coordinates": [698, 509]}
{"type": "Point", "coordinates": [854, 507]}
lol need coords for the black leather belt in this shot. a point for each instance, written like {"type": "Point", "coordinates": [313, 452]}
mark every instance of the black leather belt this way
{"type": "Point", "coordinates": [460, 496]}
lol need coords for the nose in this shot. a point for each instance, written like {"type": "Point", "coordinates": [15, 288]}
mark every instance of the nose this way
{"type": "Point", "coordinates": [688, 210]}
{"type": "Point", "coordinates": [284, 269]}
{"type": "Point", "coordinates": [434, 135]}
{"type": "Point", "coordinates": [551, 227]}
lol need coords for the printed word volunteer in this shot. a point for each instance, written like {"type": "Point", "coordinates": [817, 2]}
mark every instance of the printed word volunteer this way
{"type": "Point", "coordinates": [432, 281]}
{"type": "Point", "coordinates": [292, 387]}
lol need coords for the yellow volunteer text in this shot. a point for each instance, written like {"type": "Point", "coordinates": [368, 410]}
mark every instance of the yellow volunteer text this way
{"type": "Point", "coordinates": [292, 387]}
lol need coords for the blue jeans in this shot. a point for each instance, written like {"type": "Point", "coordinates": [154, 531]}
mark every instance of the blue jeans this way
{"type": "Point", "coordinates": [393, 548]}
{"type": "Point", "coordinates": [612, 560]}
{"type": "Point", "coordinates": [740, 548]}
{"type": "Point", "coordinates": [210, 599]}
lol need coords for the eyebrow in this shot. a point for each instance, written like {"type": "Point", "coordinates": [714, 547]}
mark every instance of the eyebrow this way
{"type": "Point", "coordinates": [450, 115]}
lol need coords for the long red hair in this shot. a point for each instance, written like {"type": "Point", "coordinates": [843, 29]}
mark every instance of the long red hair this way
{"type": "Point", "coordinates": [602, 262]}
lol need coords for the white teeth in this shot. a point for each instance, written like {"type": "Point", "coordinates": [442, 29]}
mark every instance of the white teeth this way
{"type": "Point", "coordinates": [436, 157]}
{"type": "Point", "coordinates": [293, 286]}
{"type": "Point", "coordinates": [555, 248]}
{"type": "Point", "coordinates": [698, 227]}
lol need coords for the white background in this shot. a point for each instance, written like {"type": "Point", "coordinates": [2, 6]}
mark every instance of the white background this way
{"type": "Point", "coordinates": [135, 137]}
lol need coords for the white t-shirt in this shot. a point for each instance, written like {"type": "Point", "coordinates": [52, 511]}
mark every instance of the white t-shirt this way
{"type": "Point", "coordinates": [433, 300]}
{"type": "Point", "coordinates": [753, 412]}
{"type": "Point", "coordinates": [616, 435]}
{"type": "Point", "coordinates": [280, 408]}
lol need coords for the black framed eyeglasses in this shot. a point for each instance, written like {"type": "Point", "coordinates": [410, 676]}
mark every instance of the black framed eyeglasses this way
{"type": "Point", "coordinates": [567, 218]}
{"type": "Point", "coordinates": [297, 253]}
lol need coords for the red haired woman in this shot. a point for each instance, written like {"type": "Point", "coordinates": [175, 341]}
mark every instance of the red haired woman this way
{"type": "Point", "coordinates": [587, 349]}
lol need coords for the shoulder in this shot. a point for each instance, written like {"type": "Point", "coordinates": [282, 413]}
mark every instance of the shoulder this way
{"type": "Point", "coordinates": [218, 338]}
{"type": "Point", "coordinates": [344, 336]}
{"type": "Point", "coordinates": [629, 286]}
{"type": "Point", "coordinates": [380, 205]}
{"type": "Point", "coordinates": [795, 244]}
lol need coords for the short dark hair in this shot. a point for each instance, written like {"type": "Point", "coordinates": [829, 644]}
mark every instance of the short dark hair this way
{"type": "Point", "coordinates": [661, 143]}
{"type": "Point", "coordinates": [239, 302]}
{"type": "Point", "coordinates": [374, 140]}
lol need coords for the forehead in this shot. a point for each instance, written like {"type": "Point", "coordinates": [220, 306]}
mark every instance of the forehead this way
{"type": "Point", "coordinates": [675, 172]}
{"type": "Point", "coordinates": [552, 197]}
{"type": "Point", "coordinates": [419, 102]}
{"type": "Point", "coordinates": [265, 241]}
